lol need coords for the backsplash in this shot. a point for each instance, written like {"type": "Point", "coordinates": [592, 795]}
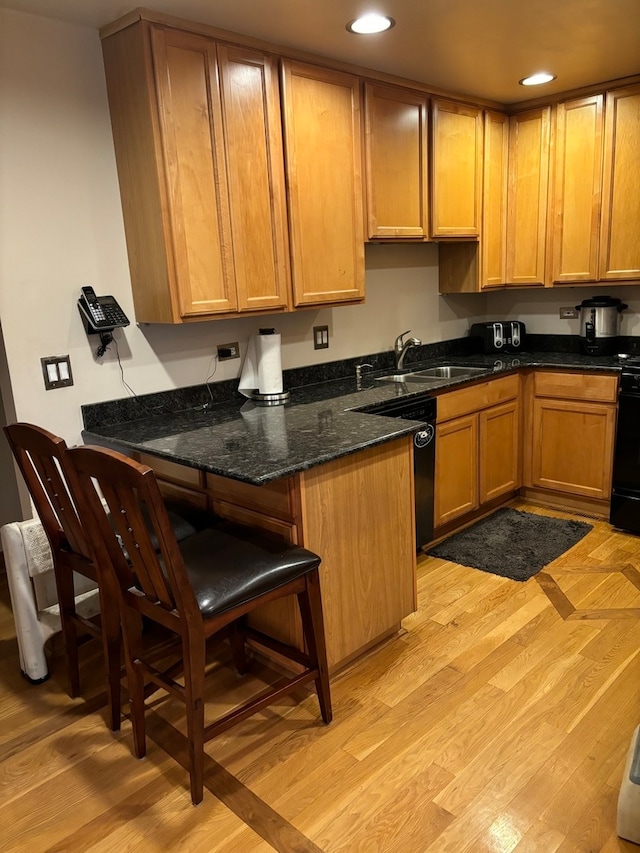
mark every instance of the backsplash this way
{"type": "Point", "coordinates": [197, 396]}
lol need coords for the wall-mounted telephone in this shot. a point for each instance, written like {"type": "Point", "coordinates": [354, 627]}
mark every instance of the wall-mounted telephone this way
{"type": "Point", "coordinates": [100, 313]}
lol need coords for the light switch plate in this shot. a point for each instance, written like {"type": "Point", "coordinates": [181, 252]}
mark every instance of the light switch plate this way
{"type": "Point", "coordinates": [56, 370]}
{"type": "Point", "coordinates": [321, 337]}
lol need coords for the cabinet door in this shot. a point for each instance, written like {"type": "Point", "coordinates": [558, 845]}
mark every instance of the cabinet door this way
{"type": "Point", "coordinates": [572, 446]}
{"type": "Point", "coordinates": [396, 162]}
{"type": "Point", "coordinates": [196, 183]}
{"type": "Point", "coordinates": [255, 168]}
{"type": "Point", "coordinates": [456, 169]}
{"type": "Point", "coordinates": [493, 240]}
{"type": "Point", "coordinates": [620, 234]}
{"type": "Point", "coordinates": [456, 482]}
{"type": "Point", "coordinates": [323, 166]}
{"type": "Point", "coordinates": [527, 201]}
{"type": "Point", "coordinates": [577, 189]}
{"type": "Point", "coordinates": [500, 457]}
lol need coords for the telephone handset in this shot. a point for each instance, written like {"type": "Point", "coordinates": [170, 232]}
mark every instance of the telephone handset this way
{"type": "Point", "coordinates": [100, 313]}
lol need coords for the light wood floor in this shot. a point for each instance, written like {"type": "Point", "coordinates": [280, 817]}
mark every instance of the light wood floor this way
{"type": "Point", "coordinates": [491, 723]}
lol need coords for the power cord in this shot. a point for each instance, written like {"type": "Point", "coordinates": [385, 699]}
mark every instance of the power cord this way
{"type": "Point", "coordinates": [105, 339]}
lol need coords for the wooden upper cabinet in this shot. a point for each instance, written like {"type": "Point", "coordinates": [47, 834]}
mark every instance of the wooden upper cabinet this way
{"type": "Point", "coordinates": [577, 189]}
{"type": "Point", "coordinates": [471, 267]}
{"type": "Point", "coordinates": [190, 124]}
{"type": "Point", "coordinates": [321, 111]}
{"type": "Point", "coordinates": [494, 200]}
{"type": "Point", "coordinates": [528, 196]}
{"type": "Point", "coordinates": [456, 169]}
{"type": "Point", "coordinates": [620, 231]}
{"type": "Point", "coordinates": [201, 177]}
{"type": "Point", "coordinates": [395, 162]}
{"type": "Point", "coordinates": [255, 168]}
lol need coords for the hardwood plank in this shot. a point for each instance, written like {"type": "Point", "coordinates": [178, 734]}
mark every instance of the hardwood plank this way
{"type": "Point", "coordinates": [539, 837]}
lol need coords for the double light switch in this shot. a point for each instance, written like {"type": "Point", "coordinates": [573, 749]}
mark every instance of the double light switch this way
{"type": "Point", "coordinates": [56, 370]}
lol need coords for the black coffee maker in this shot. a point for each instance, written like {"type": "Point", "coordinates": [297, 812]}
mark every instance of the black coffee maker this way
{"type": "Point", "coordinates": [600, 324]}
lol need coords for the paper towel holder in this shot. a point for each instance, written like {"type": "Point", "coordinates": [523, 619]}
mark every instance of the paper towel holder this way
{"type": "Point", "coordinates": [270, 399]}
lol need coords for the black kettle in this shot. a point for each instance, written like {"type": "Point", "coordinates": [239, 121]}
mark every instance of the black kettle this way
{"type": "Point", "coordinates": [600, 324]}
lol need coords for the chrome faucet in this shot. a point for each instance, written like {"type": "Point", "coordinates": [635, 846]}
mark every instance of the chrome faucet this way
{"type": "Point", "coordinates": [400, 347]}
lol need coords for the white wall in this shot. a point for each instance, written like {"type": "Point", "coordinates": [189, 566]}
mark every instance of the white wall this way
{"type": "Point", "coordinates": [61, 228]}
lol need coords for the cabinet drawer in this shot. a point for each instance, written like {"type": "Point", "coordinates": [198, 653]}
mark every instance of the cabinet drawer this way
{"type": "Point", "coordinates": [453, 404]}
{"type": "Point", "coordinates": [249, 517]}
{"type": "Point", "coordinates": [170, 491]}
{"type": "Point", "coordinates": [172, 471]}
{"type": "Point", "coordinates": [596, 387]}
{"type": "Point", "coordinates": [275, 498]}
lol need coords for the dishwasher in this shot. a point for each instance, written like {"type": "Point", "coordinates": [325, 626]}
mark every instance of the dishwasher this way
{"type": "Point", "coordinates": [625, 496]}
{"type": "Point", "coordinates": [422, 409]}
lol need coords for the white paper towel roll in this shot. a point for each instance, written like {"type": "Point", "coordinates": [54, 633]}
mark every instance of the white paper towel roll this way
{"type": "Point", "coordinates": [262, 368]}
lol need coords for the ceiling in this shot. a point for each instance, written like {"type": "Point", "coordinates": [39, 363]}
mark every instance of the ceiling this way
{"type": "Point", "coordinates": [475, 47]}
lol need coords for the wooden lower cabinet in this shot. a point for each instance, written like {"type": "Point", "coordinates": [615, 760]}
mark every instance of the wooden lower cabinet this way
{"type": "Point", "coordinates": [570, 427]}
{"type": "Point", "coordinates": [572, 447]}
{"type": "Point", "coordinates": [456, 491]}
{"type": "Point", "coordinates": [500, 455]}
{"type": "Point", "coordinates": [478, 447]}
{"type": "Point", "coordinates": [356, 512]}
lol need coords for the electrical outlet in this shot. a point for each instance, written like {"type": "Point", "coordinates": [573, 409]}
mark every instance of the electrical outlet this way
{"type": "Point", "coordinates": [568, 313]}
{"type": "Point", "coordinates": [56, 370]}
{"type": "Point", "coordinates": [321, 337]}
{"type": "Point", "coordinates": [227, 351]}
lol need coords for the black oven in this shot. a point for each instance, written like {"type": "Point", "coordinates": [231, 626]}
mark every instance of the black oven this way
{"type": "Point", "coordinates": [625, 497]}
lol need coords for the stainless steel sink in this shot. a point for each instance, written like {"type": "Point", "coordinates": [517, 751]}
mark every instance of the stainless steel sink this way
{"type": "Point", "coordinates": [450, 371]}
{"type": "Point", "coordinates": [445, 371]}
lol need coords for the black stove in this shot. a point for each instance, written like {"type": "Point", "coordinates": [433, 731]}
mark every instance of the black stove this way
{"type": "Point", "coordinates": [630, 376]}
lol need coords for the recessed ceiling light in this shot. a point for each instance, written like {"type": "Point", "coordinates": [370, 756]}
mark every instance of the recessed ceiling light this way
{"type": "Point", "coordinates": [537, 79]}
{"type": "Point", "coordinates": [370, 23]}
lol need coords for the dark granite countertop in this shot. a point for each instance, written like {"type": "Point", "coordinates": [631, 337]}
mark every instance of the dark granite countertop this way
{"type": "Point", "coordinates": [321, 422]}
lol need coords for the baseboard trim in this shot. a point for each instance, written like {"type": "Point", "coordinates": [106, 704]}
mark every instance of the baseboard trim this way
{"type": "Point", "coordinates": [590, 507]}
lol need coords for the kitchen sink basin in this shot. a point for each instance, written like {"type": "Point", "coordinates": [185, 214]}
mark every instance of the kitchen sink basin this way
{"type": "Point", "coordinates": [445, 371]}
{"type": "Point", "coordinates": [449, 371]}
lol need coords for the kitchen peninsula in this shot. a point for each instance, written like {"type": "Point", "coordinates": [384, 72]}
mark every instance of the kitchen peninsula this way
{"type": "Point", "coordinates": [338, 482]}
{"type": "Point", "coordinates": [317, 471]}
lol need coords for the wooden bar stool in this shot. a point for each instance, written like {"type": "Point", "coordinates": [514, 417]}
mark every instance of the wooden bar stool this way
{"type": "Point", "coordinates": [41, 457]}
{"type": "Point", "coordinates": [207, 584]}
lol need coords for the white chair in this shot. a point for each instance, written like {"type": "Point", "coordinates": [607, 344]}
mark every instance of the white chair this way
{"type": "Point", "coordinates": [33, 594]}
